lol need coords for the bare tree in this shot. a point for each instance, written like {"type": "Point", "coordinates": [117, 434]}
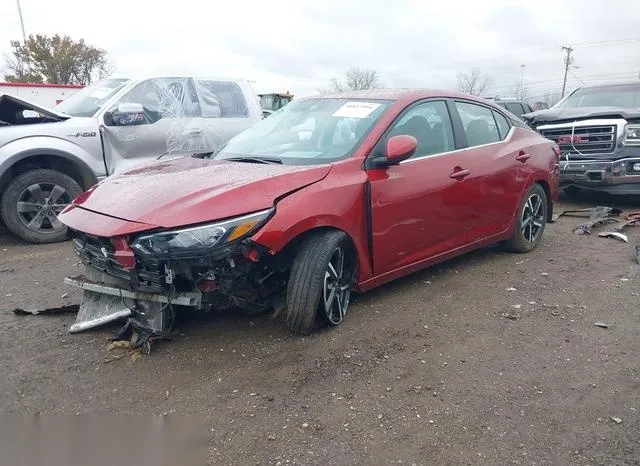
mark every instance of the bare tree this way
{"type": "Point", "coordinates": [356, 79]}
{"type": "Point", "coordinates": [475, 82]}
{"type": "Point", "coordinates": [57, 60]}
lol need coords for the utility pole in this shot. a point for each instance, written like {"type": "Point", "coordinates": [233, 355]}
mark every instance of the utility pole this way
{"type": "Point", "coordinates": [522, 82]}
{"type": "Point", "coordinates": [24, 35]}
{"type": "Point", "coordinates": [567, 62]}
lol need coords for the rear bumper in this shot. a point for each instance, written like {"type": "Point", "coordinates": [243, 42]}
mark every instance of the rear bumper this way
{"type": "Point", "coordinates": [615, 176]}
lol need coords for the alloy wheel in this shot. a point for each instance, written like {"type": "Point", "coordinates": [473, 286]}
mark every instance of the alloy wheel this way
{"type": "Point", "coordinates": [532, 219]}
{"type": "Point", "coordinates": [39, 205]}
{"type": "Point", "coordinates": [337, 288]}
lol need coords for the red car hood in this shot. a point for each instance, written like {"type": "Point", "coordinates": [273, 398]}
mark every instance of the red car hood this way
{"type": "Point", "coordinates": [190, 190]}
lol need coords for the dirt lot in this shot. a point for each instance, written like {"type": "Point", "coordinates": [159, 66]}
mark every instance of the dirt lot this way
{"type": "Point", "coordinates": [448, 366]}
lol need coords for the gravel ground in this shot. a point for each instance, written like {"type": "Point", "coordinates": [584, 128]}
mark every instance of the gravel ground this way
{"type": "Point", "coordinates": [491, 358]}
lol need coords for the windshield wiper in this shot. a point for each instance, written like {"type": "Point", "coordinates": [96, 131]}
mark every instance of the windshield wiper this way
{"type": "Point", "coordinates": [254, 160]}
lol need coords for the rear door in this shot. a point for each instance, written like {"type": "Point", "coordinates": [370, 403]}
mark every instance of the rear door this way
{"type": "Point", "coordinates": [420, 208]}
{"type": "Point", "coordinates": [224, 110]}
{"type": "Point", "coordinates": [497, 160]}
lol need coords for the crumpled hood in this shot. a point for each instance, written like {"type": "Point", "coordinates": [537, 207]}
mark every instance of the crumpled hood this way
{"type": "Point", "coordinates": [580, 113]}
{"type": "Point", "coordinates": [189, 190]}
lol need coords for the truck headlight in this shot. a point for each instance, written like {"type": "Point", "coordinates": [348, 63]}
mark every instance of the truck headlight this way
{"type": "Point", "coordinates": [632, 135]}
{"type": "Point", "coordinates": [197, 241]}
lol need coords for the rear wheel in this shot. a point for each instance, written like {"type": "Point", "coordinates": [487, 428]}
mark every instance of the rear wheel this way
{"type": "Point", "coordinates": [31, 202]}
{"type": "Point", "coordinates": [530, 222]}
{"type": "Point", "coordinates": [319, 287]}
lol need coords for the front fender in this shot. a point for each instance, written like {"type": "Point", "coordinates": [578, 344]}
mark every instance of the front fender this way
{"type": "Point", "coordinates": [30, 146]}
{"type": "Point", "coordinates": [338, 201]}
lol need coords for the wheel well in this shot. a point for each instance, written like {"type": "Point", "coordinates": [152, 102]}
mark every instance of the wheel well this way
{"type": "Point", "coordinates": [287, 253]}
{"type": "Point", "coordinates": [85, 178]}
{"type": "Point", "coordinates": [547, 191]}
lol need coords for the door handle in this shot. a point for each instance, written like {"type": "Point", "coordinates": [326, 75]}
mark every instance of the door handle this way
{"type": "Point", "coordinates": [459, 174]}
{"type": "Point", "coordinates": [523, 157]}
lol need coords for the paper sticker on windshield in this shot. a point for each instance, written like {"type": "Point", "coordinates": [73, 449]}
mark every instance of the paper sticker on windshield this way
{"type": "Point", "coordinates": [356, 110]}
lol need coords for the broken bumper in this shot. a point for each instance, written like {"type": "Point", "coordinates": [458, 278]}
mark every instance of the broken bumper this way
{"type": "Point", "coordinates": [616, 177]}
{"type": "Point", "coordinates": [105, 300]}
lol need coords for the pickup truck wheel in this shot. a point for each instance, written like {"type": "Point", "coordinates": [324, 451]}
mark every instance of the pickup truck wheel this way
{"type": "Point", "coordinates": [319, 287]}
{"type": "Point", "coordinates": [32, 201]}
{"type": "Point", "coordinates": [530, 222]}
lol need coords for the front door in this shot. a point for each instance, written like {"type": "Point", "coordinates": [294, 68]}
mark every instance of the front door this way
{"type": "Point", "coordinates": [420, 208]}
{"type": "Point", "coordinates": [174, 126]}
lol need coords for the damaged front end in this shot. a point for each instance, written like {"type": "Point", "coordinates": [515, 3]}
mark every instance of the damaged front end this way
{"type": "Point", "coordinates": [148, 277]}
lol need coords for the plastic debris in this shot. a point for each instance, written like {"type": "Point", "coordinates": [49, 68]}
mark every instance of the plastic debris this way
{"type": "Point", "coordinates": [617, 420]}
{"type": "Point", "coordinates": [602, 324]}
{"type": "Point", "coordinates": [614, 235]}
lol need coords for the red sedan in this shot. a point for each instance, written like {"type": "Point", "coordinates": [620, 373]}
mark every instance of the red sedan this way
{"type": "Point", "coordinates": [326, 195]}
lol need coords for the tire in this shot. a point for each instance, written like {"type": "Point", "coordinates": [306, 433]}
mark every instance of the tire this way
{"type": "Point", "coordinates": [311, 282]}
{"type": "Point", "coordinates": [36, 219]}
{"type": "Point", "coordinates": [529, 226]}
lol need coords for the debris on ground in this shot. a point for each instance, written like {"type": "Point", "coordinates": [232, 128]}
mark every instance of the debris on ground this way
{"type": "Point", "coordinates": [617, 420]}
{"type": "Point", "coordinates": [510, 316]}
{"type": "Point", "coordinates": [602, 324]}
{"type": "Point", "coordinates": [51, 310]}
{"type": "Point", "coordinates": [599, 215]}
{"type": "Point", "coordinates": [614, 235]}
{"type": "Point", "coordinates": [131, 350]}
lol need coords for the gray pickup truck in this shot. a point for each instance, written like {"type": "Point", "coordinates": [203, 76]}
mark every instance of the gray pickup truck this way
{"type": "Point", "coordinates": [598, 131]}
{"type": "Point", "coordinates": [49, 156]}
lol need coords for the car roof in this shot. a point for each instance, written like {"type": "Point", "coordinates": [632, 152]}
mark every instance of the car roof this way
{"type": "Point", "coordinates": [623, 84]}
{"type": "Point", "coordinates": [396, 94]}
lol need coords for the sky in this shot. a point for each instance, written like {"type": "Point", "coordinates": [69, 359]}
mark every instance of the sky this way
{"type": "Point", "coordinates": [299, 45]}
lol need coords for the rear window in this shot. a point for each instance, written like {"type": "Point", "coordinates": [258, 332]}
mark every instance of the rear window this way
{"type": "Point", "coordinates": [604, 96]}
{"type": "Point", "coordinates": [221, 99]}
{"type": "Point", "coordinates": [516, 109]}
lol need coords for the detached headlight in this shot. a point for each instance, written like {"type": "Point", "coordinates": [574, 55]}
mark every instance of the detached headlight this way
{"type": "Point", "coordinates": [632, 135]}
{"type": "Point", "coordinates": [192, 242]}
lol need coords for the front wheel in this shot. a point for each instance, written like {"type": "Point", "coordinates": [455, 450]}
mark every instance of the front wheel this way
{"type": "Point", "coordinates": [320, 280]}
{"type": "Point", "coordinates": [530, 222]}
{"type": "Point", "coordinates": [31, 202]}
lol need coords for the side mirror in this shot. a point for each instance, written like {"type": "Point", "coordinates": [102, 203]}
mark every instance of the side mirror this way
{"type": "Point", "coordinates": [127, 114]}
{"type": "Point", "coordinates": [400, 148]}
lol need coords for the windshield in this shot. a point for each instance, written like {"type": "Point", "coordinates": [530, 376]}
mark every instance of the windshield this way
{"type": "Point", "coordinates": [308, 131]}
{"type": "Point", "coordinates": [608, 96]}
{"type": "Point", "coordinates": [87, 101]}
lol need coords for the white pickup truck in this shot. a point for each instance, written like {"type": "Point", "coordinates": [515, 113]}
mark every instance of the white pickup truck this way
{"type": "Point", "coordinates": [49, 156]}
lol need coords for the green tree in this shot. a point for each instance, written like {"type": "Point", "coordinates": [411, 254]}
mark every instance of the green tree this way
{"type": "Point", "coordinates": [56, 60]}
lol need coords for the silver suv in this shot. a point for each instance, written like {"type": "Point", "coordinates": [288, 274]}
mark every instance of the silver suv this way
{"type": "Point", "coordinates": [49, 156]}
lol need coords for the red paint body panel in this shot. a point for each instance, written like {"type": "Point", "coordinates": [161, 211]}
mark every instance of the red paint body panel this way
{"type": "Point", "coordinates": [100, 225]}
{"type": "Point", "coordinates": [187, 190]}
{"type": "Point", "coordinates": [401, 218]}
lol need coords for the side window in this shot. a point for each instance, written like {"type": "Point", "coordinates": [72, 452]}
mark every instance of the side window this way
{"type": "Point", "coordinates": [221, 99]}
{"type": "Point", "coordinates": [168, 97]}
{"type": "Point", "coordinates": [503, 125]}
{"type": "Point", "coordinates": [516, 109]}
{"type": "Point", "coordinates": [430, 124]}
{"type": "Point", "coordinates": [478, 122]}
